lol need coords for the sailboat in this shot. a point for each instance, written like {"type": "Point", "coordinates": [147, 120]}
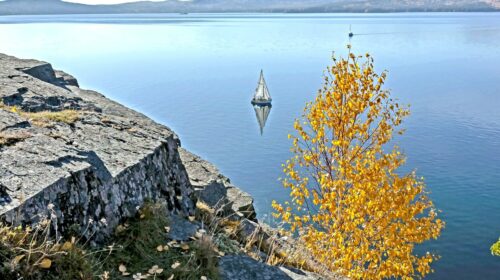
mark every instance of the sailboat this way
{"type": "Point", "coordinates": [262, 96]}
{"type": "Point", "coordinates": [262, 113]}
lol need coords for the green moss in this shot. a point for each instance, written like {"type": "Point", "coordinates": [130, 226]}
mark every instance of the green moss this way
{"type": "Point", "coordinates": [227, 244]}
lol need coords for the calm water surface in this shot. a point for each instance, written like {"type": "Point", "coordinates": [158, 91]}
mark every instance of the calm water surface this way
{"type": "Point", "coordinates": [197, 73]}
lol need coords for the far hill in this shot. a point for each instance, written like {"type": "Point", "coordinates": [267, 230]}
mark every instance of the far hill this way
{"type": "Point", "coordinates": [18, 7]}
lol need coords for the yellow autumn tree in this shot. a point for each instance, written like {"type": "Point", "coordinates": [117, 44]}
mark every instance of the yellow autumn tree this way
{"type": "Point", "coordinates": [350, 205]}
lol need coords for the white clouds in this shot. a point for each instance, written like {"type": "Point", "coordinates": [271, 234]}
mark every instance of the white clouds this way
{"type": "Point", "coordinates": [97, 2]}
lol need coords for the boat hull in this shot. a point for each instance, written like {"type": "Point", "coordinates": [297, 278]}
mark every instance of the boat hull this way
{"type": "Point", "coordinates": [261, 102]}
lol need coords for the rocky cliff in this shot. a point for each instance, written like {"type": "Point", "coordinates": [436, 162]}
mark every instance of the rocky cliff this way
{"type": "Point", "coordinates": [95, 168]}
{"type": "Point", "coordinates": [90, 163]}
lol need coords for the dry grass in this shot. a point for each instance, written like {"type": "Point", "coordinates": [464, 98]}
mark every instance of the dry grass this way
{"type": "Point", "coordinates": [139, 250]}
{"type": "Point", "coordinates": [45, 118]}
{"type": "Point", "coordinates": [33, 253]}
{"type": "Point", "coordinates": [278, 249]}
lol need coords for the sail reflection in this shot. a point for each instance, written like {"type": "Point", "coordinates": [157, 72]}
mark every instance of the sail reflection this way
{"type": "Point", "coordinates": [262, 113]}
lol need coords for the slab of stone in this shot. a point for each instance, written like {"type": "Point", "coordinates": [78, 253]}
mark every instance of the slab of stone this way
{"type": "Point", "coordinates": [241, 202]}
{"type": "Point", "coordinates": [201, 172]}
{"type": "Point", "coordinates": [298, 274]}
{"type": "Point", "coordinates": [214, 195]}
{"type": "Point", "coordinates": [181, 229]}
{"type": "Point", "coordinates": [208, 181]}
{"type": "Point", "coordinates": [99, 168]}
{"type": "Point", "coordinates": [33, 86]}
{"type": "Point", "coordinates": [242, 267]}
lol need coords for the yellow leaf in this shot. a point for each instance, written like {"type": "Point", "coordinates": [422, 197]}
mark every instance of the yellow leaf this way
{"type": "Point", "coordinates": [122, 268]}
{"type": "Point", "coordinates": [45, 263]}
{"type": "Point", "coordinates": [185, 247]}
{"type": "Point", "coordinates": [17, 259]}
{"type": "Point", "coordinates": [67, 246]}
{"type": "Point", "coordinates": [159, 248]}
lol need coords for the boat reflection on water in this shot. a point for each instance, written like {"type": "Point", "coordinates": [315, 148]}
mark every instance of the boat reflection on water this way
{"type": "Point", "coordinates": [262, 102]}
{"type": "Point", "coordinates": [262, 113]}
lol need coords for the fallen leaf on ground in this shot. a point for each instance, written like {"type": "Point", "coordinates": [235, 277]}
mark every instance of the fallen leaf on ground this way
{"type": "Point", "coordinates": [45, 263]}
{"type": "Point", "coordinates": [176, 265]}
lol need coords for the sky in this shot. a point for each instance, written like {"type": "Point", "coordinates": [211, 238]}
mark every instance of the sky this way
{"type": "Point", "coordinates": [96, 2]}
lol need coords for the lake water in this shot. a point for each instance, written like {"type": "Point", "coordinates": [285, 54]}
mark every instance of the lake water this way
{"type": "Point", "coordinates": [197, 73]}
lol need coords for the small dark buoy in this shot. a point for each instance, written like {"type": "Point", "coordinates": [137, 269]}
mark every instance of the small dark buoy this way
{"type": "Point", "coordinates": [351, 34]}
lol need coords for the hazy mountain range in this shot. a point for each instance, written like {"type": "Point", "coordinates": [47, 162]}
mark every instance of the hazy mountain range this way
{"type": "Point", "coordinates": [13, 7]}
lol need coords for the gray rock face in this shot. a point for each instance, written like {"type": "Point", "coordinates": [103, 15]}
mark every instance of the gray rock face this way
{"type": "Point", "coordinates": [214, 195]}
{"type": "Point", "coordinates": [245, 268]}
{"type": "Point", "coordinates": [181, 229]}
{"type": "Point", "coordinates": [95, 171]}
{"type": "Point", "coordinates": [214, 188]}
{"type": "Point", "coordinates": [201, 172]}
{"type": "Point", "coordinates": [34, 86]}
{"type": "Point", "coordinates": [241, 202]}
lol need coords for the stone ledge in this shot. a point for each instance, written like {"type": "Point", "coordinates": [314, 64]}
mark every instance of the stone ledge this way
{"type": "Point", "coordinates": [215, 189]}
{"type": "Point", "coordinates": [99, 168]}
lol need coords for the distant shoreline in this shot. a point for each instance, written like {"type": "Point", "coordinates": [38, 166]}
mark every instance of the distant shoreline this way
{"type": "Point", "coordinates": [254, 12]}
{"type": "Point", "coordinates": [60, 7]}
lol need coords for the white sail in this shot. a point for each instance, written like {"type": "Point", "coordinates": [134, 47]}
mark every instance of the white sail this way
{"type": "Point", "coordinates": [262, 93]}
{"type": "Point", "coordinates": [262, 113]}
